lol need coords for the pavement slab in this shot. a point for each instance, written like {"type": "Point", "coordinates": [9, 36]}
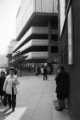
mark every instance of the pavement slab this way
{"type": "Point", "coordinates": [35, 100]}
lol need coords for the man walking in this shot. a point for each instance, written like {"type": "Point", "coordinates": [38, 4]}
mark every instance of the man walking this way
{"type": "Point", "coordinates": [10, 88]}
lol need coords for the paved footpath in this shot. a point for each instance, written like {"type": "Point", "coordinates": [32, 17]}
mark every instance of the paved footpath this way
{"type": "Point", "coordinates": [35, 101]}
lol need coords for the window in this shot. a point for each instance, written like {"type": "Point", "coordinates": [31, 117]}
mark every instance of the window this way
{"type": "Point", "coordinates": [54, 37]}
{"type": "Point", "coordinates": [54, 49]}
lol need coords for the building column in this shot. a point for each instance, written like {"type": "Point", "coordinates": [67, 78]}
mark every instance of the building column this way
{"type": "Point", "coordinates": [49, 40]}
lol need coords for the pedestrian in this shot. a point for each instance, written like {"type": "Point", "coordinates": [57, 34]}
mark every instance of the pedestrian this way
{"type": "Point", "coordinates": [38, 70]}
{"type": "Point", "coordinates": [44, 73]}
{"type": "Point", "coordinates": [2, 79]}
{"type": "Point", "coordinates": [10, 87]}
{"type": "Point", "coordinates": [62, 87]}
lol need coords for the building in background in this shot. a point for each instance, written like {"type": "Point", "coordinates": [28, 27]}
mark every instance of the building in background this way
{"type": "Point", "coordinates": [10, 51]}
{"type": "Point", "coordinates": [70, 35]}
{"type": "Point", "coordinates": [37, 33]}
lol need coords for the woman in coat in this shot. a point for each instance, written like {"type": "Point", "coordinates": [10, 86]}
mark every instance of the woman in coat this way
{"type": "Point", "coordinates": [10, 87]}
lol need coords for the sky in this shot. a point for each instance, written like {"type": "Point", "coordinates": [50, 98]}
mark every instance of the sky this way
{"type": "Point", "coordinates": [8, 11]}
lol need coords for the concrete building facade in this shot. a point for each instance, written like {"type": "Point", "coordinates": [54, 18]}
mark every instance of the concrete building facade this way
{"type": "Point", "coordinates": [66, 31]}
{"type": "Point", "coordinates": [37, 32]}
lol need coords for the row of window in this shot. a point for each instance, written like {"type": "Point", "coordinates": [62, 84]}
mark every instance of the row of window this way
{"type": "Point", "coordinates": [54, 49]}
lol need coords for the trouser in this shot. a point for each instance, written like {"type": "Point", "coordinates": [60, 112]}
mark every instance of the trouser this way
{"type": "Point", "coordinates": [63, 100]}
{"type": "Point", "coordinates": [4, 101]}
{"type": "Point", "coordinates": [44, 76]}
{"type": "Point", "coordinates": [11, 100]}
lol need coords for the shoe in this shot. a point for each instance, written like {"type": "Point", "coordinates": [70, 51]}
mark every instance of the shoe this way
{"type": "Point", "coordinates": [59, 108]}
{"type": "Point", "coordinates": [13, 109]}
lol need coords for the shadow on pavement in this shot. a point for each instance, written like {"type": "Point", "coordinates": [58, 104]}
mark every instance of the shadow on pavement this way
{"type": "Point", "coordinates": [65, 112]}
{"type": "Point", "coordinates": [4, 111]}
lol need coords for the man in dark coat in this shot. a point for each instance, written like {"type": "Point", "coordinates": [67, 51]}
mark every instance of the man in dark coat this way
{"type": "Point", "coordinates": [62, 87]}
{"type": "Point", "coordinates": [2, 79]}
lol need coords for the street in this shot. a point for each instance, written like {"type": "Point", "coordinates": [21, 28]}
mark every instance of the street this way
{"type": "Point", "coordinates": [35, 100]}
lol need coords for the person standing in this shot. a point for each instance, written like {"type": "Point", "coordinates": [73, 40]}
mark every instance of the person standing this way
{"type": "Point", "coordinates": [44, 73]}
{"type": "Point", "coordinates": [10, 87]}
{"type": "Point", "coordinates": [62, 87]}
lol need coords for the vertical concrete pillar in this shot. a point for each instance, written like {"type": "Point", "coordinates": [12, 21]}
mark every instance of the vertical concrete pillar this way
{"type": "Point", "coordinates": [49, 41]}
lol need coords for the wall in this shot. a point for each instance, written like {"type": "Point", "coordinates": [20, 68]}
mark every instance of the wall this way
{"type": "Point", "coordinates": [75, 72]}
{"type": "Point", "coordinates": [75, 67]}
